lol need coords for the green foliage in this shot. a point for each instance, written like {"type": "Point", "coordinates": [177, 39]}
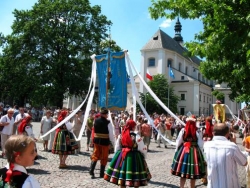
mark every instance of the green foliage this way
{"type": "Point", "coordinates": [224, 41]}
{"type": "Point", "coordinates": [219, 95]}
{"type": "Point", "coordinates": [109, 43]}
{"type": "Point", "coordinates": [47, 56]}
{"type": "Point", "coordinates": [159, 86]}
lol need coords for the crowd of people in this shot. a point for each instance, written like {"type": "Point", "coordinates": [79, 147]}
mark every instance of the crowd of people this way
{"type": "Point", "coordinates": [205, 149]}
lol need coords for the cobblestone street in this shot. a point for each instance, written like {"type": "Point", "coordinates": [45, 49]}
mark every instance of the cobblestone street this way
{"type": "Point", "coordinates": [48, 174]}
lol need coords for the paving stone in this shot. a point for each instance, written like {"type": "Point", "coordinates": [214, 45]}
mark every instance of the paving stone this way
{"type": "Point", "coordinates": [48, 174]}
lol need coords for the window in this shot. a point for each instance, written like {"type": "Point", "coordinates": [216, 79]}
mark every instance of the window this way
{"type": "Point", "coordinates": [186, 70]}
{"type": "Point", "coordinates": [199, 76]}
{"type": "Point", "coordinates": [183, 97]}
{"type": "Point", "coordinates": [182, 78]}
{"type": "Point", "coordinates": [151, 62]}
{"type": "Point", "coordinates": [207, 99]}
{"type": "Point", "coordinates": [169, 62]}
{"type": "Point", "coordinates": [182, 111]}
{"type": "Point", "coordinates": [204, 99]}
{"type": "Point", "coordinates": [200, 97]}
{"type": "Point", "coordinates": [179, 66]}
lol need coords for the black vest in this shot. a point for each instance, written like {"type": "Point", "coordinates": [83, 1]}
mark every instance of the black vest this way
{"type": "Point", "coordinates": [101, 131]}
{"type": "Point", "coordinates": [18, 179]}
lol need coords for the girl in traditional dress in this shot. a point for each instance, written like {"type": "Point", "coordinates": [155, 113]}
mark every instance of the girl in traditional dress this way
{"type": "Point", "coordinates": [188, 162]}
{"type": "Point", "coordinates": [208, 132]}
{"type": "Point", "coordinates": [64, 142]}
{"type": "Point", "coordinates": [20, 153]}
{"type": "Point", "coordinates": [25, 127]}
{"type": "Point", "coordinates": [128, 166]}
{"type": "Point", "coordinates": [207, 136]}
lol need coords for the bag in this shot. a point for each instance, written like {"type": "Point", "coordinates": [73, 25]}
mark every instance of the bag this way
{"type": "Point", "coordinates": [39, 139]}
{"type": "Point", "coordinates": [1, 127]}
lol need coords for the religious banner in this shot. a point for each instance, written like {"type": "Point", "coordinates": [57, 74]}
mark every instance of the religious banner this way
{"type": "Point", "coordinates": [112, 80]}
{"type": "Point", "coordinates": [219, 112]}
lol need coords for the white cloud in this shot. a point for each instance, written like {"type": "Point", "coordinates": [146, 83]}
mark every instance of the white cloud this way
{"type": "Point", "coordinates": [166, 23]}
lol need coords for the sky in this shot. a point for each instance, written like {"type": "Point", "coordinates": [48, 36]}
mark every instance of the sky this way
{"type": "Point", "coordinates": [132, 26]}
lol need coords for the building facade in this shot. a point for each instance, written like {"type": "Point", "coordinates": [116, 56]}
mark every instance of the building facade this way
{"type": "Point", "coordinates": [163, 52]}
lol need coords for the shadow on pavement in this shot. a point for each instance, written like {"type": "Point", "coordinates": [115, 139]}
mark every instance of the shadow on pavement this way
{"type": "Point", "coordinates": [78, 167]}
{"type": "Point", "coordinates": [37, 171]}
{"type": "Point", "coordinates": [85, 153]}
{"type": "Point", "coordinates": [154, 151]}
{"type": "Point", "coordinates": [162, 184]}
{"type": "Point", "coordinates": [41, 157]}
{"type": "Point", "coordinates": [199, 185]}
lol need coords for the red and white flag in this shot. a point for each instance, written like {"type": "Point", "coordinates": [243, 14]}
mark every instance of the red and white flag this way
{"type": "Point", "coordinates": [149, 76]}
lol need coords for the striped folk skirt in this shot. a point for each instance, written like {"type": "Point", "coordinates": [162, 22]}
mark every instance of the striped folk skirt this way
{"type": "Point", "coordinates": [132, 171]}
{"type": "Point", "coordinates": [190, 165]}
{"type": "Point", "coordinates": [64, 143]}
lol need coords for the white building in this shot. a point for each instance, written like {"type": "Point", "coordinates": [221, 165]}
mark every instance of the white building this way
{"type": "Point", "coordinates": [162, 51]}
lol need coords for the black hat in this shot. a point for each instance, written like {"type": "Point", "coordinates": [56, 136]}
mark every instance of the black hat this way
{"type": "Point", "coordinates": [104, 110]}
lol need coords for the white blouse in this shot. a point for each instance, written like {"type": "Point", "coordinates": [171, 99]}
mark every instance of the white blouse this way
{"type": "Point", "coordinates": [180, 140]}
{"type": "Point", "coordinates": [141, 146]}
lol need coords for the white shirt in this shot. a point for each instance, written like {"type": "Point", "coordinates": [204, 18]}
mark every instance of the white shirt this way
{"type": "Point", "coordinates": [222, 159]}
{"type": "Point", "coordinates": [111, 134]}
{"type": "Point", "coordinates": [30, 182]}
{"type": "Point", "coordinates": [20, 116]}
{"type": "Point", "coordinates": [8, 129]}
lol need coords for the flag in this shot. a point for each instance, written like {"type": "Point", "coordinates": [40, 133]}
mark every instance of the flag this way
{"type": "Point", "coordinates": [171, 73]}
{"type": "Point", "coordinates": [149, 76]}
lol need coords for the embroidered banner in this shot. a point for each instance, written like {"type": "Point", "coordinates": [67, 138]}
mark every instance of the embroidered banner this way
{"type": "Point", "coordinates": [113, 81]}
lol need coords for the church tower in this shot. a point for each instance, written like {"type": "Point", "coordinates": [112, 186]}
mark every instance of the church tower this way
{"type": "Point", "coordinates": [177, 29]}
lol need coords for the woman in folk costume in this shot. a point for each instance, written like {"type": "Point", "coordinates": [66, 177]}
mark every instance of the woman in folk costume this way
{"type": "Point", "coordinates": [128, 166]}
{"type": "Point", "coordinates": [207, 136]}
{"type": "Point", "coordinates": [208, 133]}
{"type": "Point", "coordinates": [25, 127]}
{"type": "Point", "coordinates": [188, 162]}
{"type": "Point", "coordinates": [64, 142]}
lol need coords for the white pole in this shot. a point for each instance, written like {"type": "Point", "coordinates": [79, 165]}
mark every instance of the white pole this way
{"type": "Point", "coordinates": [168, 82]}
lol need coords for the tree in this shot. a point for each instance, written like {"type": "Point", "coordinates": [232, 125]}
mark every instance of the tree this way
{"type": "Point", "coordinates": [224, 42]}
{"type": "Point", "coordinates": [110, 44]}
{"type": "Point", "coordinates": [159, 86]}
{"type": "Point", "coordinates": [47, 55]}
{"type": "Point", "coordinates": [219, 95]}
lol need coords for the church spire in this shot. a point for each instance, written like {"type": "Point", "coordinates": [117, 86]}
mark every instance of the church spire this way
{"type": "Point", "coordinates": [177, 29]}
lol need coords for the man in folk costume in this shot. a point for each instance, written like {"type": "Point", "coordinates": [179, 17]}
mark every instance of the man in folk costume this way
{"type": "Point", "coordinates": [103, 135]}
